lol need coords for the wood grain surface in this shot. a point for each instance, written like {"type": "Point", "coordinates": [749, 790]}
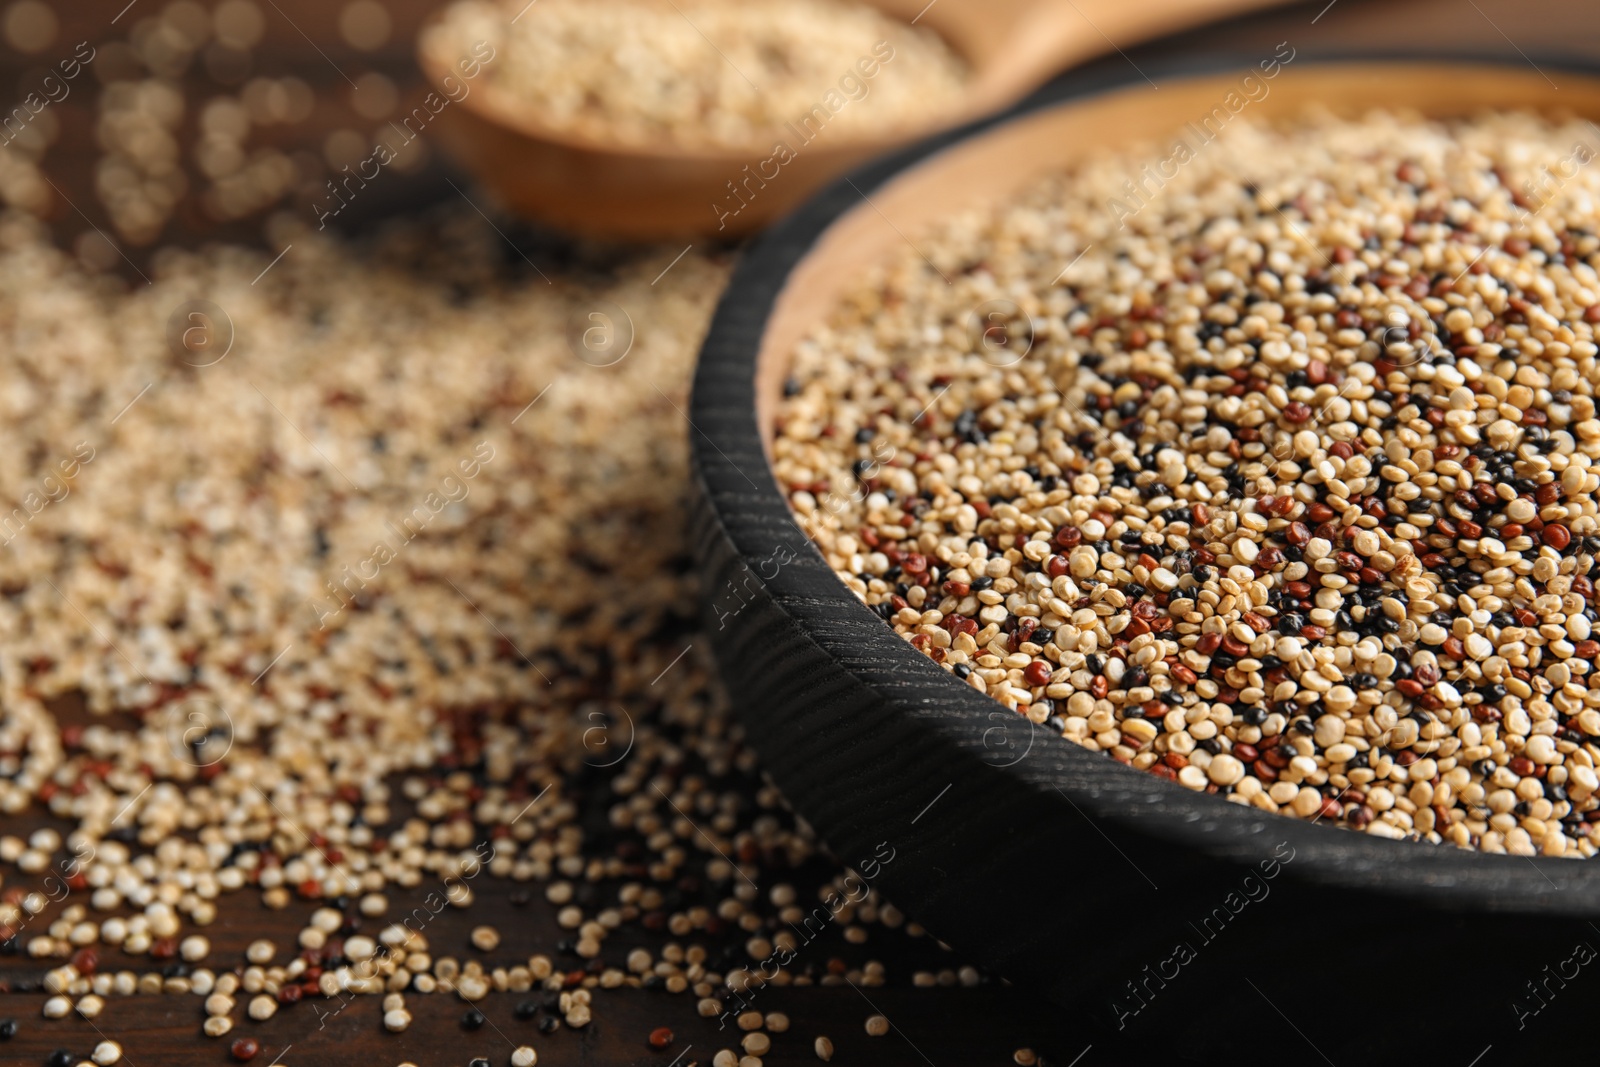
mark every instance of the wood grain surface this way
{"type": "Point", "coordinates": [1435, 966]}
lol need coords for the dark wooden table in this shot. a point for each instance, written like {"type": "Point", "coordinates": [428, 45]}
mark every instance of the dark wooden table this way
{"type": "Point", "coordinates": [940, 1027]}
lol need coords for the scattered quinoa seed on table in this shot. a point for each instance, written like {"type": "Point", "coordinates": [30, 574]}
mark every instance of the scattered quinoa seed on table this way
{"type": "Point", "coordinates": [379, 722]}
{"type": "Point", "coordinates": [1281, 487]}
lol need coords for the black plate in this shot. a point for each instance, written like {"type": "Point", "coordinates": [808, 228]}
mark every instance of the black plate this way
{"type": "Point", "coordinates": [1062, 870]}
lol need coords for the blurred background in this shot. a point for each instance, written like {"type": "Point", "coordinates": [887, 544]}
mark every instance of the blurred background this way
{"type": "Point", "coordinates": [199, 120]}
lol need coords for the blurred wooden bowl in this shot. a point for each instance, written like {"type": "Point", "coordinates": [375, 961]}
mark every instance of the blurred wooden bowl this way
{"type": "Point", "coordinates": [579, 181]}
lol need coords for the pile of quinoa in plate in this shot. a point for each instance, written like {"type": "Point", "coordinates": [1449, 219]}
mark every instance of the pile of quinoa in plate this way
{"type": "Point", "coordinates": [360, 597]}
{"type": "Point", "coordinates": [708, 72]}
{"type": "Point", "coordinates": [1277, 481]}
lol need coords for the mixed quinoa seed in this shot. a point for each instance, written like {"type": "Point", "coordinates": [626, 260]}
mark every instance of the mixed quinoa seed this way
{"type": "Point", "coordinates": [708, 73]}
{"type": "Point", "coordinates": [512, 700]}
{"type": "Point", "coordinates": [1277, 481]}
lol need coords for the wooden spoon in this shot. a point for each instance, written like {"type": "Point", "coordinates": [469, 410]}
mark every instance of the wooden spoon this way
{"type": "Point", "coordinates": [580, 182]}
